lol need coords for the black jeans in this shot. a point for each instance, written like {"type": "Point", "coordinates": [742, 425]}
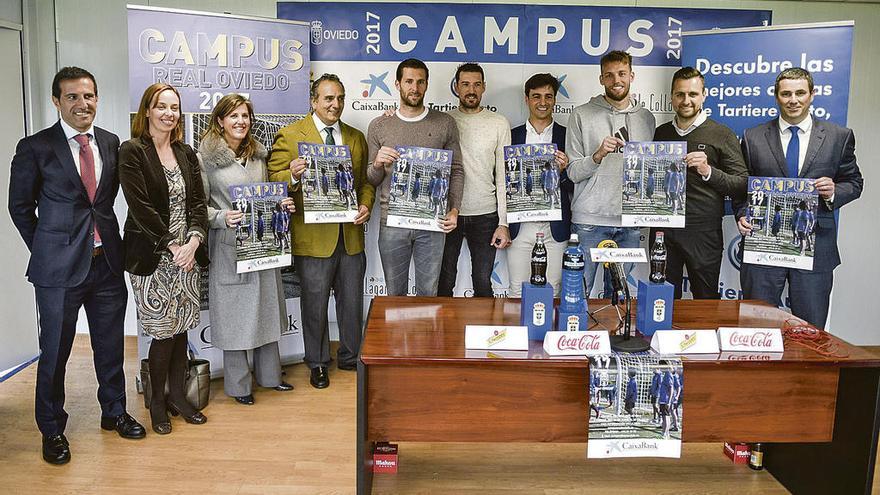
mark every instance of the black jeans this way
{"type": "Point", "coordinates": [478, 230]}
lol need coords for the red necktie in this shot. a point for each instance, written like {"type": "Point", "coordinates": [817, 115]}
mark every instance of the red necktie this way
{"type": "Point", "coordinates": [87, 171]}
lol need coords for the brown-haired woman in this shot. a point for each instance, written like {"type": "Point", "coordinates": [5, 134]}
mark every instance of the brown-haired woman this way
{"type": "Point", "coordinates": [164, 233]}
{"type": "Point", "coordinates": [231, 156]}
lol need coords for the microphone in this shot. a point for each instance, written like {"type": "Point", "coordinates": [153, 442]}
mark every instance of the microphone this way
{"type": "Point", "coordinates": [618, 277]}
{"type": "Point", "coordinates": [623, 341]}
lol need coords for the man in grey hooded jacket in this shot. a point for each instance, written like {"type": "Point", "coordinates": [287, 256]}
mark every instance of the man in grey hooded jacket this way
{"type": "Point", "coordinates": [597, 131]}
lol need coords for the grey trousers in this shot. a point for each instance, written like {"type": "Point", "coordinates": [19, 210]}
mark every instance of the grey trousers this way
{"type": "Point", "coordinates": [237, 376]}
{"type": "Point", "coordinates": [397, 246]}
{"type": "Point", "coordinates": [344, 273]}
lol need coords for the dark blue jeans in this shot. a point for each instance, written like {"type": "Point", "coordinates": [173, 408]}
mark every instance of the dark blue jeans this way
{"type": "Point", "coordinates": [478, 230]}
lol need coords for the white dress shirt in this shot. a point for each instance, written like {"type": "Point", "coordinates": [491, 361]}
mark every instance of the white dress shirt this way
{"type": "Point", "coordinates": [805, 129]}
{"type": "Point", "coordinates": [336, 129]}
{"type": "Point", "coordinates": [535, 137]}
{"type": "Point", "coordinates": [70, 133]}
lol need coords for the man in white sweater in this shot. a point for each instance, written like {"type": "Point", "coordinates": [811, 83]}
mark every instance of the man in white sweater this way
{"type": "Point", "coordinates": [483, 216]}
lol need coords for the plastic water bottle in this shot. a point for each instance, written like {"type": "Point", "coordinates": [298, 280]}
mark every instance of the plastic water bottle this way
{"type": "Point", "coordinates": [572, 276]}
{"type": "Point", "coordinates": [658, 260]}
{"type": "Point", "coordinates": [539, 261]}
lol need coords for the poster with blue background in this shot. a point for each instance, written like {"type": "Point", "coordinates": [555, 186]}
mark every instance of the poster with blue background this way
{"type": "Point", "coordinates": [740, 67]}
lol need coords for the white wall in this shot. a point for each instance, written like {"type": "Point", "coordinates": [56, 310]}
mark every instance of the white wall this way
{"type": "Point", "coordinates": [92, 33]}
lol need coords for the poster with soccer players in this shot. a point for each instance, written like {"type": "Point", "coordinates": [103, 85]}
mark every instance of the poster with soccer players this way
{"type": "Point", "coordinates": [262, 238]}
{"type": "Point", "coordinates": [327, 184]}
{"type": "Point", "coordinates": [531, 177]}
{"type": "Point", "coordinates": [782, 213]}
{"type": "Point", "coordinates": [635, 406]}
{"type": "Point", "coordinates": [419, 188]}
{"type": "Point", "coordinates": [654, 184]}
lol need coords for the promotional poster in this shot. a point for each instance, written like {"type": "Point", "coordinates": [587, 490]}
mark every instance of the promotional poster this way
{"type": "Point", "coordinates": [782, 212]}
{"type": "Point", "coordinates": [532, 181]}
{"type": "Point", "coordinates": [654, 184]}
{"type": "Point", "coordinates": [363, 42]}
{"type": "Point", "coordinates": [635, 406]}
{"type": "Point", "coordinates": [327, 184]}
{"type": "Point", "coordinates": [419, 187]}
{"type": "Point", "coordinates": [262, 239]}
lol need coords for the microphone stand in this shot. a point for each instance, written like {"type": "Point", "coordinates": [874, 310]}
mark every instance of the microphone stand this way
{"type": "Point", "coordinates": [624, 341]}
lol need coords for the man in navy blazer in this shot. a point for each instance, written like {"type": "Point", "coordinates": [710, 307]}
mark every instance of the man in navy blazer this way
{"type": "Point", "coordinates": [798, 145]}
{"type": "Point", "coordinates": [61, 191]}
{"type": "Point", "coordinates": [540, 97]}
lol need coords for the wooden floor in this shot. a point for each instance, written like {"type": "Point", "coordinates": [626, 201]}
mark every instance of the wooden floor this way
{"type": "Point", "coordinates": [303, 442]}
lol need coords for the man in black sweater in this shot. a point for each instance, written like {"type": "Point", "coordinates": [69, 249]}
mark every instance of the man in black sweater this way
{"type": "Point", "coordinates": [715, 169]}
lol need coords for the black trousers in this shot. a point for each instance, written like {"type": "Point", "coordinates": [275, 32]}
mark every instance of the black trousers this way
{"type": "Point", "coordinates": [701, 252]}
{"type": "Point", "coordinates": [104, 296]}
{"type": "Point", "coordinates": [478, 230]}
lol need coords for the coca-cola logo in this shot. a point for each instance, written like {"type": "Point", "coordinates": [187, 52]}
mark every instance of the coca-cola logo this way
{"type": "Point", "coordinates": [755, 339]}
{"type": "Point", "coordinates": [585, 342]}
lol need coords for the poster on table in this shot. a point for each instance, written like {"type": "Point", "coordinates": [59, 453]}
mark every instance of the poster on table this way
{"type": "Point", "coordinates": [782, 213]}
{"type": "Point", "coordinates": [262, 238]}
{"type": "Point", "coordinates": [206, 55]}
{"type": "Point", "coordinates": [635, 406]}
{"type": "Point", "coordinates": [362, 42]}
{"type": "Point", "coordinates": [654, 184]}
{"type": "Point", "coordinates": [419, 188]}
{"type": "Point", "coordinates": [532, 180]}
{"type": "Point", "coordinates": [327, 184]}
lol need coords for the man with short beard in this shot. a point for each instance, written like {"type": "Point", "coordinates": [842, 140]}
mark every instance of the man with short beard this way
{"type": "Point", "coordinates": [412, 125]}
{"type": "Point", "coordinates": [715, 169]}
{"type": "Point", "coordinates": [597, 132]}
{"type": "Point", "coordinates": [483, 219]}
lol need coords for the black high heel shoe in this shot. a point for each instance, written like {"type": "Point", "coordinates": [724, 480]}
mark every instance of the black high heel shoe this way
{"type": "Point", "coordinates": [162, 426]}
{"type": "Point", "coordinates": [196, 418]}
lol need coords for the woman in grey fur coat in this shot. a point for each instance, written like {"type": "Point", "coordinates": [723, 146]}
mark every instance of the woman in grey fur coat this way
{"type": "Point", "coordinates": [247, 310]}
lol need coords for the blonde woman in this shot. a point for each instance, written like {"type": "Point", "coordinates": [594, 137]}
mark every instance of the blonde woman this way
{"type": "Point", "coordinates": [248, 311]}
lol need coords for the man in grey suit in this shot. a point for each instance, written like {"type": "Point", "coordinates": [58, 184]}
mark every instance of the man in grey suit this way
{"type": "Point", "coordinates": [797, 145]}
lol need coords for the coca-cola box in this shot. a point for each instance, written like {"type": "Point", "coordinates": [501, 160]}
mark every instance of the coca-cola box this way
{"type": "Point", "coordinates": [737, 452]}
{"type": "Point", "coordinates": [385, 457]}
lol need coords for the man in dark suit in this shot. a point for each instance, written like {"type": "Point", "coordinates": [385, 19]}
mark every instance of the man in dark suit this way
{"type": "Point", "coordinates": [797, 145]}
{"type": "Point", "coordinates": [61, 191]}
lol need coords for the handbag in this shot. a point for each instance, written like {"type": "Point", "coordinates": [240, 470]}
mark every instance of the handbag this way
{"type": "Point", "coordinates": [197, 384]}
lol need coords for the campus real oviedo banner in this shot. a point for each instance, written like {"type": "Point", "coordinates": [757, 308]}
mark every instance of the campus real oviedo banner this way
{"type": "Point", "coordinates": [363, 43]}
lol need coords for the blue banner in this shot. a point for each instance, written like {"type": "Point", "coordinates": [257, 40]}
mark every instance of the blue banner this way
{"type": "Point", "coordinates": [531, 34]}
{"type": "Point", "coordinates": [740, 68]}
{"type": "Point", "coordinates": [207, 55]}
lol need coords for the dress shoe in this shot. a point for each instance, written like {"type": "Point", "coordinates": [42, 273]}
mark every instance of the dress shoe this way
{"type": "Point", "coordinates": [56, 450]}
{"type": "Point", "coordinates": [196, 418]}
{"type": "Point", "coordinates": [319, 378]}
{"type": "Point", "coordinates": [283, 387]}
{"type": "Point", "coordinates": [125, 425]}
{"type": "Point", "coordinates": [347, 366]}
{"type": "Point", "coordinates": [247, 400]}
{"type": "Point", "coordinates": [162, 428]}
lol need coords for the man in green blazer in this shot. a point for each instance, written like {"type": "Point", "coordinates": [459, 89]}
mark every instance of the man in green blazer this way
{"type": "Point", "coordinates": [327, 255]}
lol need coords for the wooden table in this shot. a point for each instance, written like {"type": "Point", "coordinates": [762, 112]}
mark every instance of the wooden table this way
{"type": "Point", "coordinates": [817, 416]}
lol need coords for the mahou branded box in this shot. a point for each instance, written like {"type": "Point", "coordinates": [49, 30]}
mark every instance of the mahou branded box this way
{"type": "Point", "coordinates": [385, 458]}
{"type": "Point", "coordinates": [737, 452]}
